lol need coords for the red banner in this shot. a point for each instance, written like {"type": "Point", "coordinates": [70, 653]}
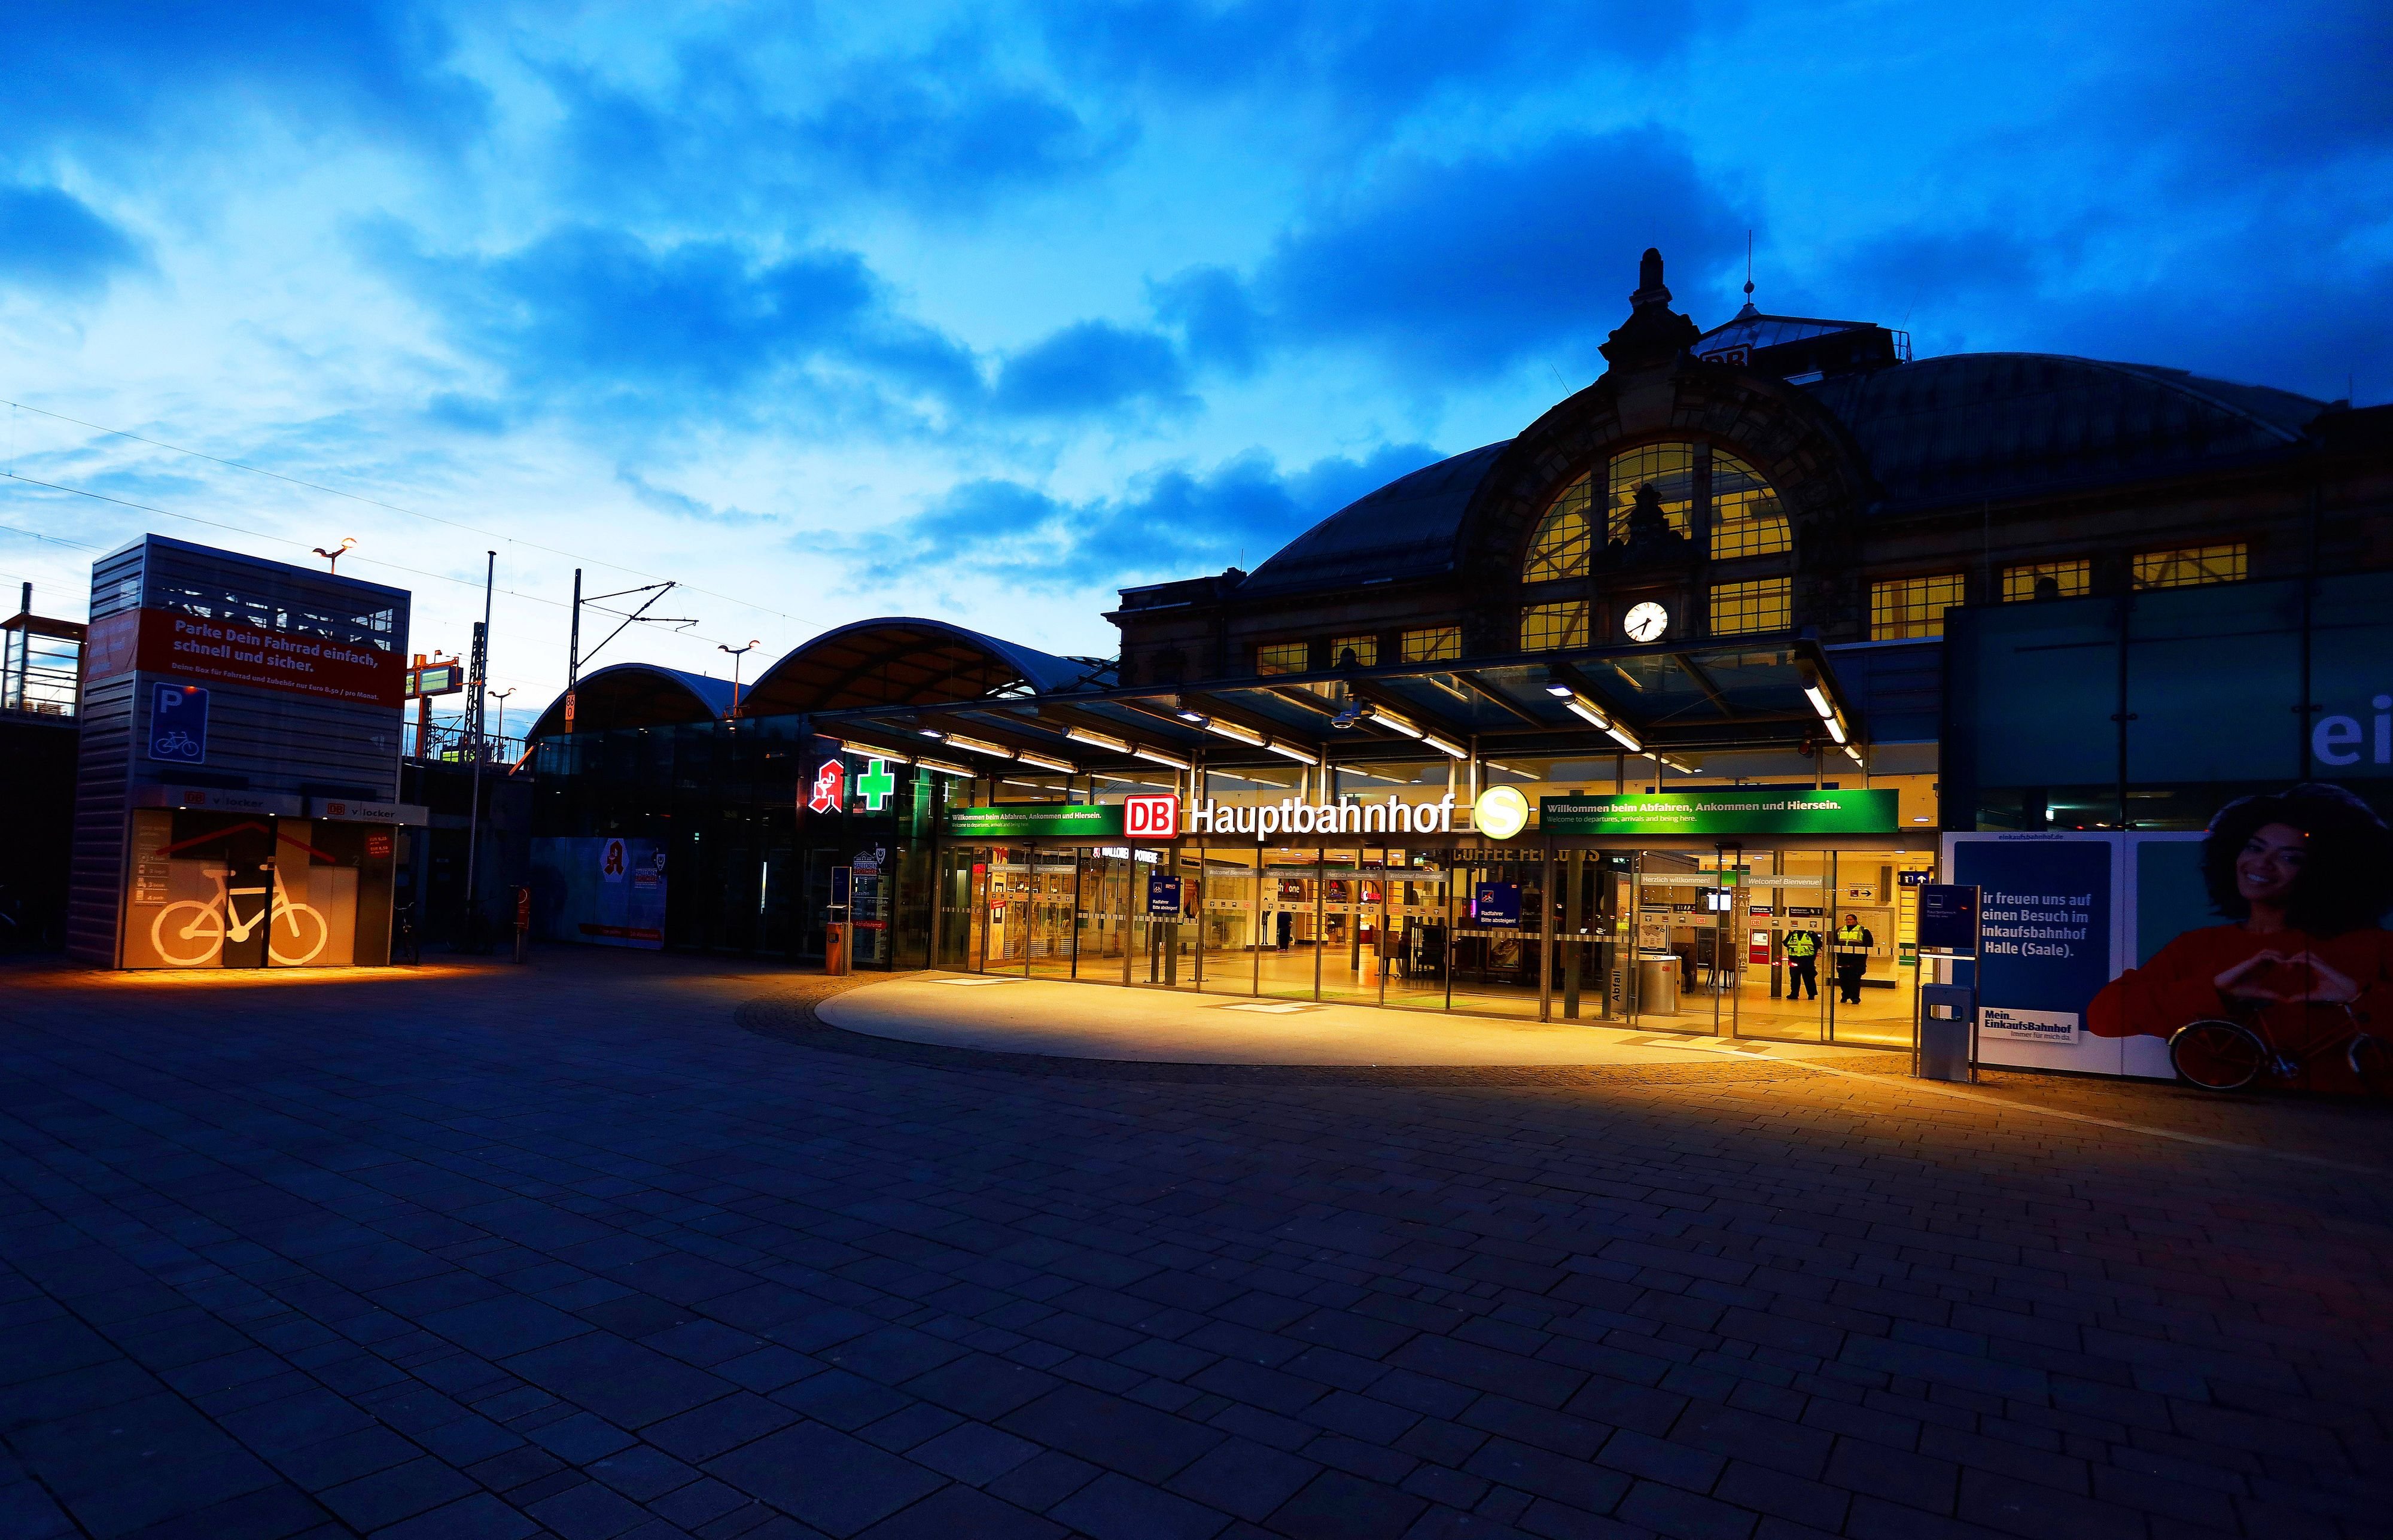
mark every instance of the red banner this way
{"type": "Point", "coordinates": [161, 641]}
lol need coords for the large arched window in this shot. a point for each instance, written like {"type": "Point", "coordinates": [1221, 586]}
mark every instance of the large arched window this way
{"type": "Point", "coordinates": [1700, 487]}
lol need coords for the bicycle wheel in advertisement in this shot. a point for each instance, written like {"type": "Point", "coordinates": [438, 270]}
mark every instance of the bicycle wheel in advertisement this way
{"type": "Point", "coordinates": [2218, 1056]}
{"type": "Point", "coordinates": [296, 936]}
{"type": "Point", "coordinates": [188, 934]}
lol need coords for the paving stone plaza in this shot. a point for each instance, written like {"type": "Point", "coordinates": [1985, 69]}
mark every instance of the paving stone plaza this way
{"type": "Point", "coordinates": [634, 1247]}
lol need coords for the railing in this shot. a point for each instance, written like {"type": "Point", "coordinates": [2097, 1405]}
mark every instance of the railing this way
{"type": "Point", "coordinates": [45, 683]}
{"type": "Point", "coordinates": [448, 743]}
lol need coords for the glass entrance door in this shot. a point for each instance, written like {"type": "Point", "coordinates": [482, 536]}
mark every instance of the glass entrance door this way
{"type": "Point", "coordinates": [1052, 901]}
{"type": "Point", "coordinates": [1499, 936]}
{"type": "Point", "coordinates": [1591, 890]}
{"type": "Point", "coordinates": [1420, 923]}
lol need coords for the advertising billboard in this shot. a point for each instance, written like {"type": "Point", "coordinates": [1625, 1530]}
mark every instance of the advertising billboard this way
{"type": "Point", "coordinates": [1724, 810]}
{"type": "Point", "coordinates": [2098, 949]}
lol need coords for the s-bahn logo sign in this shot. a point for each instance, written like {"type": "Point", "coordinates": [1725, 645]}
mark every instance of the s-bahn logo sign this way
{"type": "Point", "coordinates": [1151, 817]}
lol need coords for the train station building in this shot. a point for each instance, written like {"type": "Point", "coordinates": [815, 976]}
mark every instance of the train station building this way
{"type": "Point", "coordinates": [1656, 714]}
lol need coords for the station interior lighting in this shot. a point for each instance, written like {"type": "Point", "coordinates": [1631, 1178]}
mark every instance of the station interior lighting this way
{"type": "Point", "coordinates": [1046, 761]}
{"type": "Point", "coordinates": [1231, 730]}
{"type": "Point", "coordinates": [1290, 751]}
{"type": "Point", "coordinates": [1581, 706]}
{"type": "Point", "coordinates": [944, 768]}
{"type": "Point", "coordinates": [1185, 714]}
{"type": "Point", "coordinates": [1855, 755]}
{"type": "Point", "coordinates": [1451, 751]}
{"type": "Point", "coordinates": [978, 746]}
{"type": "Point", "coordinates": [1395, 722]}
{"type": "Point", "coordinates": [1157, 756]}
{"type": "Point", "coordinates": [1097, 739]}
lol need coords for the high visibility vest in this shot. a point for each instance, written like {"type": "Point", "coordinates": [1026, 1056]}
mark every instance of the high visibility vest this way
{"type": "Point", "coordinates": [1802, 944]}
{"type": "Point", "coordinates": [1853, 941]}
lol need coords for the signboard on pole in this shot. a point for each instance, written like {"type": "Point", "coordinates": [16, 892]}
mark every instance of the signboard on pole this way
{"type": "Point", "coordinates": [1948, 919]}
{"type": "Point", "coordinates": [1724, 810]}
{"type": "Point", "coordinates": [1162, 895]}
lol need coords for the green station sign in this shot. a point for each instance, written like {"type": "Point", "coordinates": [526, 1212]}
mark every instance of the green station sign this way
{"type": "Point", "coordinates": [1723, 810]}
{"type": "Point", "coordinates": [1037, 821]}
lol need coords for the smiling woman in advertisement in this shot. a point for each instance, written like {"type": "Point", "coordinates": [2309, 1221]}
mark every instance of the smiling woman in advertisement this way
{"type": "Point", "coordinates": [2305, 876]}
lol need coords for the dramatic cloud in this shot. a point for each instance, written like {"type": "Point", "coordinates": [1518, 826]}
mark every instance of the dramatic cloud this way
{"type": "Point", "coordinates": [1172, 522]}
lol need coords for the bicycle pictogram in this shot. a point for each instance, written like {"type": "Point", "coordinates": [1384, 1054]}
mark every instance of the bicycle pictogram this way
{"type": "Point", "coordinates": [198, 937]}
{"type": "Point", "coordinates": [177, 744]}
{"type": "Point", "coordinates": [2231, 1052]}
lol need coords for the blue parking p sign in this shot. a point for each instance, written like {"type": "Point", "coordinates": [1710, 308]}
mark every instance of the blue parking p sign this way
{"type": "Point", "coordinates": [179, 724]}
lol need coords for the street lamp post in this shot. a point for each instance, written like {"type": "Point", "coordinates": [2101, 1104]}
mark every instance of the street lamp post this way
{"type": "Point", "coordinates": [735, 653]}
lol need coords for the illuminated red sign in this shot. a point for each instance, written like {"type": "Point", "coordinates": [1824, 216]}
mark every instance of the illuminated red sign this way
{"type": "Point", "coordinates": [1151, 817]}
{"type": "Point", "coordinates": [829, 792]}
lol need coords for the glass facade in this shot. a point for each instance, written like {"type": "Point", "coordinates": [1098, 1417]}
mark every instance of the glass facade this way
{"type": "Point", "coordinates": [1763, 605]}
{"type": "Point", "coordinates": [2190, 566]}
{"type": "Point", "coordinates": [1430, 643]}
{"type": "Point", "coordinates": [1700, 486]}
{"type": "Point", "coordinates": [1283, 657]}
{"type": "Point", "coordinates": [1545, 627]}
{"type": "Point", "coordinates": [1913, 607]}
{"type": "Point", "coordinates": [2202, 694]}
{"type": "Point", "coordinates": [2067, 580]}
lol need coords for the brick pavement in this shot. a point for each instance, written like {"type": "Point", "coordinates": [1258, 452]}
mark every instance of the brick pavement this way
{"type": "Point", "coordinates": [618, 1246]}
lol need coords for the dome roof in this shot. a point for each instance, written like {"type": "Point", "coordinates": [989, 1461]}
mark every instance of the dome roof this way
{"type": "Point", "coordinates": [2007, 424]}
{"type": "Point", "coordinates": [1405, 529]}
{"type": "Point", "coordinates": [903, 659]}
{"type": "Point", "coordinates": [1947, 429]}
{"type": "Point", "coordinates": [636, 695]}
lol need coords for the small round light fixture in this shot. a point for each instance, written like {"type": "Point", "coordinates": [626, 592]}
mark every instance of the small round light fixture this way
{"type": "Point", "coordinates": [1500, 812]}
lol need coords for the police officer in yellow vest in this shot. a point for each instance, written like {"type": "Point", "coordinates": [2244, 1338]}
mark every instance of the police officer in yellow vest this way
{"type": "Point", "coordinates": [1802, 948]}
{"type": "Point", "coordinates": [1852, 947]}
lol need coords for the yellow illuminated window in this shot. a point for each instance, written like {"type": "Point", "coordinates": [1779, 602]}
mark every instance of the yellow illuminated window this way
{"type": "Point", "coordinates": [1747, 519]}
{"type": "Point", "coordinates": [1283, 657]}
{"type": "Point", "coordinates": [1559, 547]}
{"type": "Point", "coordinates": [1765, 604]}
{"type": "Point", "coordinates": [1432, 643]}
{"type": "Point", "coordinates": [2072, 579]}
{"type": "Point", "coordinates": [1672, 469]}
{"type": "Point", "coordinates": [1365, 648]}
{"type": "Point", "coordinates": [1913, 606]}
{"type": "Point", "coordinates": [1545, 627]}
{"type": "Point", "coordinates": [2189, 566]}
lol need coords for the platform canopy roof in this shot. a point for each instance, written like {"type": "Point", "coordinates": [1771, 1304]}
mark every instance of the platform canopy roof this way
{"type": "Point", "coordinates": [1663, 700]}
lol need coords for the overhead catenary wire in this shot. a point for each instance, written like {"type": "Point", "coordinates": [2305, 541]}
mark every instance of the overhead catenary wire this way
{"type": "Point", "coordinates": [280, 540]}
{"type": "Point", "coordinates": [374, 503]}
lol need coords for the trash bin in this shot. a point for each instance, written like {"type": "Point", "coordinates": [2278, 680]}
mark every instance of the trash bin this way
{"type": "Point", "coordinates": [1946, 1012]}
{"type": "Point", "coordinates": [1657, 983]}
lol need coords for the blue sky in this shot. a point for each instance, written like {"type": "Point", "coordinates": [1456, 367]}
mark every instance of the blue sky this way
{"type": "Point", "coordinates": [982, 312]}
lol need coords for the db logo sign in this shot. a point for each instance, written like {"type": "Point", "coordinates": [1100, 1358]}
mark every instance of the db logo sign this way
{"type": "Point", "coordinates": [1151, 817]}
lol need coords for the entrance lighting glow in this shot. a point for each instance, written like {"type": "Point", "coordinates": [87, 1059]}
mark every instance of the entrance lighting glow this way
{"type": "Point", "coordinates": [1855, 755]}
{"type": "Point", "coordinates": [1401, 723]}
{"type": "Point", "coordinates": [1157, 756]}
{"type": "Point", "coordinates": [1835, 729]}
{"type": "Point", "coordinates": [1231, 730]}
{"type": "Point", "coordinates": [978, 746]}
{"type": "Point", "coordinates": [1451, 751]}
{"type": "Point", "coordinates": [1820, 701]}
{"type": "Point", "coordinates": [1101, 740]}
{"type": "Point", "coordinates": [1290, 750]}
{"type": "Point", "coordinates": [1045, 761]}
{"type": "Point", "coordinates": [944, 768]}
{"type": "Point", "coordinates": [866, 750]}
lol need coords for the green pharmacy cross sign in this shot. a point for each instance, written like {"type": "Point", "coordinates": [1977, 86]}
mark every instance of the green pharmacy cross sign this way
{"type": "Point", "coordinates": [1724, 810]}
{"type": "Point", "coordinates": [876, 784]}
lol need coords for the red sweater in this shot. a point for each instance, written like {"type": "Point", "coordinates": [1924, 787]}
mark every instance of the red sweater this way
{"type": "Point", "coordinates": [2180, 984]}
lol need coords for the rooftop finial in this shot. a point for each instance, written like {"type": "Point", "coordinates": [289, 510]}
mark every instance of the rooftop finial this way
{"type": "Point", "coordinates": [1749, 267]}
{"type": "Point", "coordinates": [1650, 289]}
